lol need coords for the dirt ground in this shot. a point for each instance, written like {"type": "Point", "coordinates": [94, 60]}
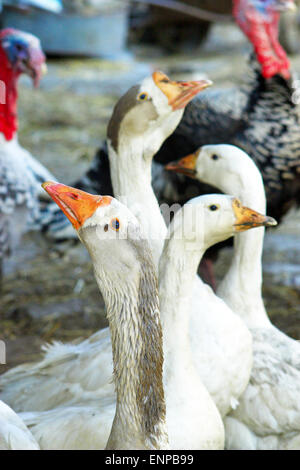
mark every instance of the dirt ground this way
{"type": "Point", "coordinates": [49, 292]}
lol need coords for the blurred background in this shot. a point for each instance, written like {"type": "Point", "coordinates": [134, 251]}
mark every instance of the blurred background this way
{"type": "Point", "coordinates": [96, 50]}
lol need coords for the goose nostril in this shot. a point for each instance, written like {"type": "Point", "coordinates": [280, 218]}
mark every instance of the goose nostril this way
{"type": "Point", "coordinates": [74, 196]}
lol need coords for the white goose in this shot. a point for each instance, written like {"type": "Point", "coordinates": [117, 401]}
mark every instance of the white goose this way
{"type": "Point", "coordinates": [200, 224]}
{"type": "Point", "coordinates": [69, 373]}
{"type": "Point", "coordinates": [216, 333]}
{"type": "Point", "coordinates": [125, 274]}
{"type": "Point", "coordinates": [141, 121]}
{"type": "Point", "coordinates": [189, 405]}
{"type": "Point", "coordinates": [14, 435]}
{"type": "Point", "coordinates": [268, 416]}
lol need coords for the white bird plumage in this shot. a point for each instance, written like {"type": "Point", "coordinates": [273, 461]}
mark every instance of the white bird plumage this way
{"type": "Point", "coordinates": [268, 415]}
{"type": "Point", "coordinates": [14, 435]}
{"type": "Point", "coordinates": [123, 420]}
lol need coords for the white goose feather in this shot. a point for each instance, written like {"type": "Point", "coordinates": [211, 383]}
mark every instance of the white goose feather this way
{"type": "Point", "coordinates": [268, 415]}
{"type": "Point", "coordinates": [14, 435]}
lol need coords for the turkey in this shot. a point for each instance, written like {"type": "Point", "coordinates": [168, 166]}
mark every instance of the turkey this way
{"type": "Point", "coordinates": [261, 117]}
{"type": "Point", "coordinates": [21, 175]}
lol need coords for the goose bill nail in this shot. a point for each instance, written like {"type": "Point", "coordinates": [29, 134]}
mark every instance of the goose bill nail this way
{"type": "Point", "coordinates": [246, 218]}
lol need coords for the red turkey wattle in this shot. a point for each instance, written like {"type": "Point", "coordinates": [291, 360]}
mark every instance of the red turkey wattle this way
{"type": "Point", "coordinates": [31, 61]}
{"type": "Point", "coordinates": [259, 21]}
{"type": "Point", "coordinates": [8, 109]}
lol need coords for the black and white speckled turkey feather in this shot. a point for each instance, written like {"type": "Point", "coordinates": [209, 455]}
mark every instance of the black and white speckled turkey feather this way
{"type": "Point", "coordinates": [20, 192]}
{"type": "Point", "coordinates": [266, 125]}
{"type": "Point", "coordinates": [272, 138]}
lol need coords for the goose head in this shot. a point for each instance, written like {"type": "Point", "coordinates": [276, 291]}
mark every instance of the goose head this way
{"type": "Point", "coordinates": [212, 218]}
{"type": "Point", "coordinates": [110, 232]}
{"type": "Point", "coordinates": [126, 276]}
{"type": "Point", "coordinates": [150, 112]}
{"type": "Point", "coordinates": [223, 166]}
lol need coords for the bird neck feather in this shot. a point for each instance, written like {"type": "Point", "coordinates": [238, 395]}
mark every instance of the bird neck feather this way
{"type": "Point", "coordinates": [242, 284]}
{"type": "Point", "coordinates": [131, 180]}
{"type": "Point", "coordinates": [136, 334]}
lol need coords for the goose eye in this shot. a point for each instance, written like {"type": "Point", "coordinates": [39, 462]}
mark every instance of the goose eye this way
{"type": "Point", "coordinates": [213, 207]}
{"type": "Point", "coordinates": [143, 96]}
{"type": "Point", "coordinates": [105, 227]}
{"type": "Point", "coordinates": [214, 157]}
{"type": "Point", "coordinates": [115, 224]}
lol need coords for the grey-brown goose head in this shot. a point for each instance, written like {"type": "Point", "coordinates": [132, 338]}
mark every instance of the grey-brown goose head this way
{"type": "Point", "coordinates": [106, 227]}
{"type": "Point", "coordinates": [151, 110]}
{"type": "Point", "coordinates": [125, 274]}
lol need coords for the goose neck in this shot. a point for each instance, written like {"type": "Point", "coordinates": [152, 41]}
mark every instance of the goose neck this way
{"type": "Point", "coordinates": [241, 288]}
{"type": "Point", "coordinates": [177, 274]}
{"type": "Point", "coordinates": [136, 336]}
{"type": "Point", "coordinates": [131, 180]}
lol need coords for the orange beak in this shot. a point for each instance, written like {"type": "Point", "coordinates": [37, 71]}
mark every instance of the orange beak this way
{"type": "Point", "coordinates": [246, 218]}
{"type": "Point", "coordinates": [77, 205]}
{"type": "Point", "coordinates": [186, 165]}
{"type": "Point", "coordinates": [179, 93]}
